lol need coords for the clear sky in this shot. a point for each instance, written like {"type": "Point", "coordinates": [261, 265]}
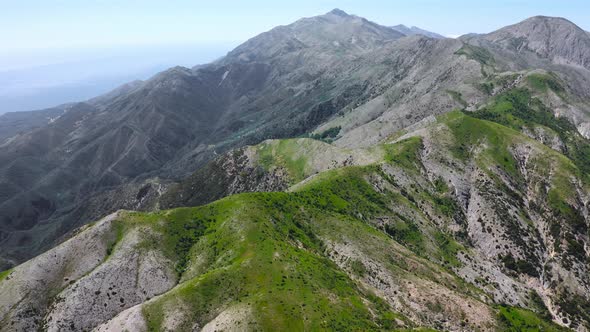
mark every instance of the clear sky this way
{"type": "Point", "coordinates": [34, 24]}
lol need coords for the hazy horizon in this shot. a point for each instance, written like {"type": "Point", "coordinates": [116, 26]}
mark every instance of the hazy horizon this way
{"type": "Point", "coordinates": [75, 51]}
{"type": "Point", "coordinates": [48, 79]}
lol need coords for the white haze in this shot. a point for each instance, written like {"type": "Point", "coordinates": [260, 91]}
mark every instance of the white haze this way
{"type": "Point", "coordinates": [37, 79]}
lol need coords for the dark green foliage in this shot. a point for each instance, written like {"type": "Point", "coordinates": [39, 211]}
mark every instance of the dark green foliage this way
{"type": "Point", "coordinates": [181, 229]}
{"type": "Point", "coordinates": [327, 134]}
{"type": "Point", "coordinates": [347, 193]}
{"type": "Point", "coordinates": [520, 266]}
{"type": "Point", "coordinates": [441, 186]}
{"type": "Point", "coordinates": [564, 212]}
{"type": "Point", "coordinates": [476, 53]}
{"type": "Point", "coordinates": [542, 82]}
{"type": "Point", "coordinates": [458, 97]}
{"type": "Point", "coordinates": [446, 205]}
{"type": "Point", "coordinates": [407, 233]}
{"type": "Point", "coordinates": [487, 87]}
{"type": "Point", "coordinates": [517, 108]}
{"type": "Point", "coordinates": [575, 305]}
{"type": "Point", "coordinates": [539, 306]}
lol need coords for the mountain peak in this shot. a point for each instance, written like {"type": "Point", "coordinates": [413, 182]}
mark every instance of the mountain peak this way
{"type": "Point", "coordinates": [554, 38]}
{"type": "Point", "coordinates": [338, 12]}
{"type": "Point", "coordinates": [547, 18]}
{"type": "Point", "coordinates": [317, 35]}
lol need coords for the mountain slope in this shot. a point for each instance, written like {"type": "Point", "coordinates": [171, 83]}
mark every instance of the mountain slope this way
{"type": "Point", "coordinates": [415, 31]}
{"type": "Point", "coordinates": [435, 232]}
{"type": "Point", "coordinates": [550, 37]}
{"type": "Point", "coordinates": [283, 83]}
{"type": "Point", "coordinates": [169, 125]}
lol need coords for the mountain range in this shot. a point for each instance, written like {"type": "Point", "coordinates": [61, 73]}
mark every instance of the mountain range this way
{"type": "Point", "coordinates": [329, 174]}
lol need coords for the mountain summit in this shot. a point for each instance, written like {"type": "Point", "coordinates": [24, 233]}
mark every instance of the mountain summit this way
{"type": "Point", "coordinates": [554, 38]}
{"type": "Point", "coordinates": [338, 12]}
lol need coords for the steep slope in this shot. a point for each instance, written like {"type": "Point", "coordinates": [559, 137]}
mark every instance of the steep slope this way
{"type": "Point", "coordinates": [168, 126]}
{"type": "Point", "coordinates": [554, 45]}
{"type": "Point", "coordinates": [415, 31]}
{"type": "Point", "coordinates": [273, 165]}
{"type": "Point", "coordinates": [13, 123]}
{"type": "Point", "coordinates": [554, 38]}
{"type": "Point", "coordinates": [462, 224]}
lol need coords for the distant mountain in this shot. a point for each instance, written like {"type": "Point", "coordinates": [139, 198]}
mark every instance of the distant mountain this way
{"type": "Point", "coordinates": [416, 31]}
{"type": "Point", "coordinates": [13, 123]}
{"type": "Point", "coordinates": [274, 85]}
{"type": "Point", "coordinates": [52, 77]}
{"type": "Point", "coordinates": [553, 38]}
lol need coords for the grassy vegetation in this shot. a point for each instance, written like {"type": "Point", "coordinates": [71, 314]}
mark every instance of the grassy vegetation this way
{"type": "Point", "coordinates": [448, 249]}
{"type": "Point", "coordinates": [517, 109]}
{"type": "Point", "coordinates": [470, 132]}
{"type": "Point", "coordinates": [263, 253]}
{"type": "Point", "coordinates": [283, 153]}
{"type": "Point", "coordinates": [519, 320]}
{"type": "Point", "coordinates": [259, 251]}
{"type": "Point", "coordinates": [406, 232]}
{"type": "Point", "coordinates": [405, 153]}
{"type": "Point", "coordinates": [5, 274]}
{"type": "Point", "coordinates": [543, 82]}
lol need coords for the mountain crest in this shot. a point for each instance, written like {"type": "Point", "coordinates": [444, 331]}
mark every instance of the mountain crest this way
{"type": "Point", "coordinates": [554, 38]}
{"type": "Point", "coordinates": [338, 12]}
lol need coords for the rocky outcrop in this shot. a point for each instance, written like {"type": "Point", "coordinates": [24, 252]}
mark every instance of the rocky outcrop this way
{"type": "Point", "coordinates": [29, 289]}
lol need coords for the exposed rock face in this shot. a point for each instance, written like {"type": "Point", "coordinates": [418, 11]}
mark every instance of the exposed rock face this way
{"type": "Point", "coordinates": [27, 291]}
{"type": "Point", "coordinates": [129, 276]}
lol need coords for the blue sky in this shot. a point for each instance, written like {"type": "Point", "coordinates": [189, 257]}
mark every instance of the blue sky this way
{"type": "Point", "coordinates": [60, 24]}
